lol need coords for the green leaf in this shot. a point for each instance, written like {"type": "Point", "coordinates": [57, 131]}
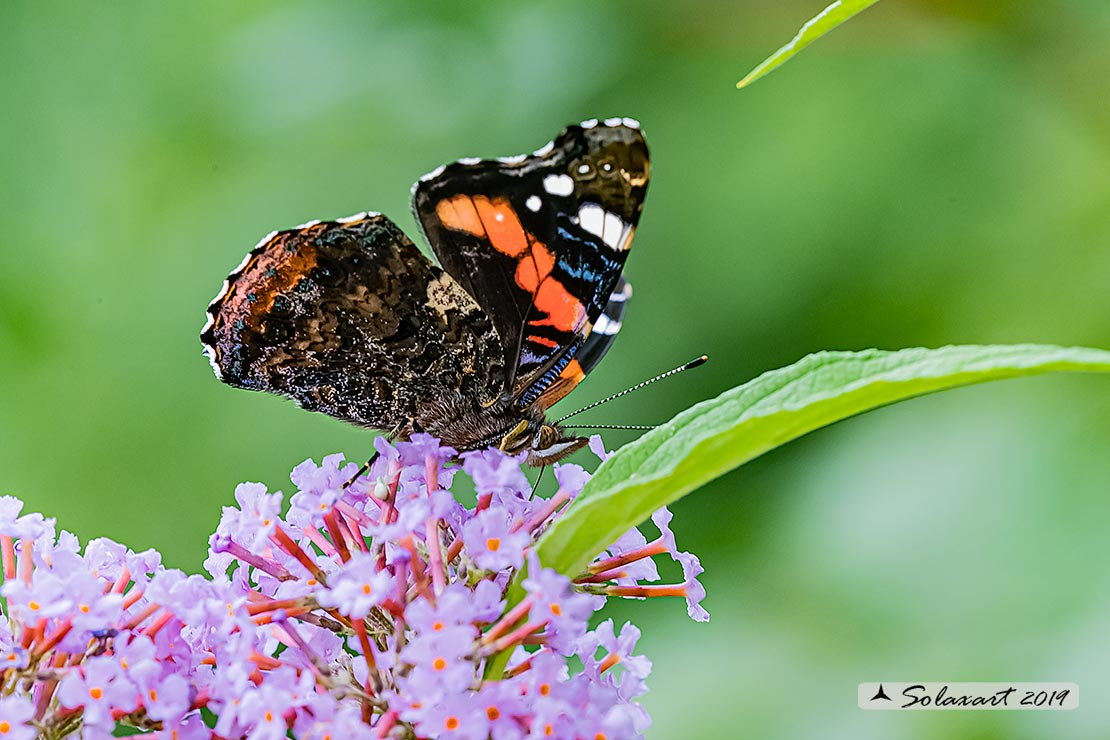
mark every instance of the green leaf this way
{"type": "Point", "coordinates": [815, 28]}
{"type": "Point", "coordinates": [715, 436]}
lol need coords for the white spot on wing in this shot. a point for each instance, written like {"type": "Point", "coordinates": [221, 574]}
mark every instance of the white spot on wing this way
{"type": "Point", "coordinates": [599, 222]}
{"type": "Point", "coordinates": [558, 184]}
{"type": "Point", "coordinates": [614, 230]}
{"type": "Point", "coordinates": [592, 123]}
{"type": "Point", "coordinates": [630, 122]}
{"type": "Point", "coordinates": [592, 218]}
{"type": "Point", "coordinates": [516, 159]}
{"type": "Point", "coordinates": [533, 203]}
{"type": "Point", "coordinates": [470, 160]}
{"type": "Point", "coordinates": [613, 121]}
{"type": "Point", "coordinates": [307, 224]}
{"type": "Point", "coordinates": [545, 149]}
{"type": "Point", "coordinates": [606, 326]}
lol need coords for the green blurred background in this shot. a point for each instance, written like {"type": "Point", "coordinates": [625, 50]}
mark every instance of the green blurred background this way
{"type": "Point", "coordinates": [934, 172]}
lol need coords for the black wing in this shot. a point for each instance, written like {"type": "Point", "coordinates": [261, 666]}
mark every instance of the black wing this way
{"type": "Point", "coordinates": [348, 318]}
{"type": "Point", "coordinates": [539, 241]}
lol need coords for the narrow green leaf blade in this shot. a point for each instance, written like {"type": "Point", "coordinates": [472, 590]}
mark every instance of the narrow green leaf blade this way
{"type": "Point", "coordinates": [715, 436]}
{"type": "Point", "coordinates": [815, 28]}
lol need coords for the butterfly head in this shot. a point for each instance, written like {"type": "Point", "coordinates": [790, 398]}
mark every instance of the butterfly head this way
{"type": "Point", "coordinates": [545, 443]}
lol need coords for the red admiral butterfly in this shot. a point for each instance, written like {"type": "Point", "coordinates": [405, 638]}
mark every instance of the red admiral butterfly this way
{"type": "Point", "coordinates": [348, 318]}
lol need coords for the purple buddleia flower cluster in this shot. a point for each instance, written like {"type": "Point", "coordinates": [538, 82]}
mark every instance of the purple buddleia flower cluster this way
{"type": "Point", "coordinates": [380, 609]}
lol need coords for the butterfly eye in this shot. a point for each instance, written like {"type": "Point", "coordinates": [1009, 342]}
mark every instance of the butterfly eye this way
{"type": "Point", "coordinates": [584, 171]}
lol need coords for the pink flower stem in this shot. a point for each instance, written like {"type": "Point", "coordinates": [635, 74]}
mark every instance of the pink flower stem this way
{"type": "Point", "coordinates": [331, 521]}
{"type": "Point", "coordinates": [289, 629]}
{"type": "Point", "coordinates": [431, 529]}
{"type": "Point", "coordinates": [317, 538]}
{"type": "Point", "coordinates": [158, 624]}
{"type": "Point", "coordinates": [268, 604]}
{"type": "Point", "coordinates": [147, 612]}
{"type": "Point", "coordinates": [7, 550]}
{"type": "Point", "coordinates": [352, 513]}
{"type": "Point", "coordinates": [385, 724]}
{"type": "Point", "coordinates": [265, 661]}
{"type": "Point", "coordinates": [47, 644]}
{"type": "Point", "coordinates": [286, 543]}
{"type": "Point", "coordinates": [506, 622]}
{"type": "Point", "coordinates": [42, 702]}
{"type": "Point", "coordinates": [517, 636]}
{"type": "Point", "coordinates": [31, 634]}
{"type": "Point", "coordinates": [652, 548]}
{"type": "Point", "coordinates": [367, 652]}
{"type": "Point", "coordinates": [26, 560]}
{"type": "Point", "coordinates": [647, 591]}
{"type": "Point", "coordinates": [132, 596]}
{"type": "Point", "coordinates": [354, 542]}
{"type": "Point", "coordinates": [121, 582]}
{"type": "Point", "coordinates": [518, 669]}
{"type": "Point", "coordinates": [549, 508]}
{"type": "Point", "coordinates": [608, 575]}
{"type": "Point", "coordinates": [244, 555]}
{"type": "Point", "coordinates": [389, 511]}
{"type": "Point", "coordinates": [610, 660]}
{"type": "Point", "coordinates": [454, 550]}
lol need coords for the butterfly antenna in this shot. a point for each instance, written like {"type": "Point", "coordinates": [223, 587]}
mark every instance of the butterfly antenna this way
{"type": "Point", "coordinates": [611, 426]}
{"type": "Point", "coordinates": [688, 366]}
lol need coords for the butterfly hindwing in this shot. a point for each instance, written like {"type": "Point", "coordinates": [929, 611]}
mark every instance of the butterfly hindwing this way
{"type": "Point", "coordinates": [540, 241]}
{"type": "Point", "coordinates": [348, 318]}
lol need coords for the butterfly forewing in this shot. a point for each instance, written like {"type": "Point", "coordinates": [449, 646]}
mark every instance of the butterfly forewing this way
{"type": "Point", "coordinates": [540, 241]}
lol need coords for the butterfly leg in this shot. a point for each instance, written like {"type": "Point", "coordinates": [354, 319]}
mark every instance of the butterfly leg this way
{"type": "Point", "coordinates": [362, 471]}
{"type": "Point", "coordinates": [539, 477]}
{"type": "Point", "coordinates": [392, 437]}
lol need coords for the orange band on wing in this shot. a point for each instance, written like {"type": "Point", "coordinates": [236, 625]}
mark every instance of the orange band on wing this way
{"type": "Point", "coordinates": [573, 371]}
{"type": "Point", "coordinates": [480, 216]}
{"type": "Point", "coordinates": [534, 268]}
{"type": "Point", "coordinates": [563, 310]}
{"type": "Point", "coordinates": [496, 220]}
{"type": "Point", "coordinates": [549, 343]}
{"type": "Point", "coordinates": [460, 214]}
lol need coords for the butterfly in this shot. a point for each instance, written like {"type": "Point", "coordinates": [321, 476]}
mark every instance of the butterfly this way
{"type": "Point", "coordinates": [350, 319]}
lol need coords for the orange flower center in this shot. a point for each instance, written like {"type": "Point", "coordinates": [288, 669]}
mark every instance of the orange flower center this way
{"type": "Point", "coordinates": [439, 664]}
{"type": "Point", "coordinates": [493, 544]}
{"type": "Point", "coordinates": [493, 713]}
{"type": "Point", "coordinates": [96, 692]}
{"type": "Point", "coordinates": [452, 723]}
